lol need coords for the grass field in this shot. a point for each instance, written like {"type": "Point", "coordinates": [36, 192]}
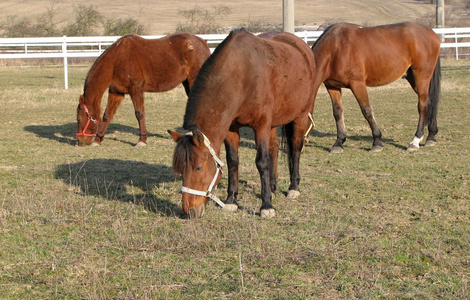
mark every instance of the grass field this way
{"type": "Point", "coordinates": [96, 223]}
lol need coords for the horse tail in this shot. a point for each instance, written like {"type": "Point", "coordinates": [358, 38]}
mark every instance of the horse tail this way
{"type": "Point", "coordinates": [283, 144]}
{"type": "Point", "coordinates": [434, 94]}
{"type": "Point", "coordinates": [286, 136]}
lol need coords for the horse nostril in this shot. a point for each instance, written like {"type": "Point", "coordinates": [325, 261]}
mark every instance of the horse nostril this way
{"type": "Point", "coordinates": [196, 212]}
{"type": "Point", "coordinates": [192, 213]}
{"type": "Point", "coordinates": [201, 210]}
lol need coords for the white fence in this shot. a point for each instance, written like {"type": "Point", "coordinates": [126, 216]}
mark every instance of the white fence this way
{"type": "Point", "coordinates": [70, 47]}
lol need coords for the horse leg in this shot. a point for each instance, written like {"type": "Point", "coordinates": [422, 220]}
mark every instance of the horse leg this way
{"type": "Point", "coordinates": [360, 92]}
{"type": "Point", "coordinates": [273, 155]}
{"type": "Point", "coordinates": [114, 100]}
{"type": "Point", "coordinates": [295, 135]}
{"type": "Point", "coordinates": [231, 142]}
{"type": "Point", "coordinates": [137, 96]}
{"type": "Point", "coordinates": [187, 86]}
{"type": "Point", "coordinates": [263, 161]}
{"type": "Point", "coordinates": [335, 95]}
{"type": "Point", "coordinates": [423, 104]}
{"type": "Point", "coordinates": [421, 87]}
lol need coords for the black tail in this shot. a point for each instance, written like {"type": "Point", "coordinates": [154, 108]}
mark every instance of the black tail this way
{"type": "Point", "coordinates": [434, 95]}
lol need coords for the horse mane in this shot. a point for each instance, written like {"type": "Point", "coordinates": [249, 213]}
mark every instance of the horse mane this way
{"type": "Point", "coordinates": [184, 154]}
{"type": "Point", "coordinates": [322, 35]}
{"type": "Point", "coordinates": [97, 64]}
{"type": "Point", "coordinates": [201, 79]}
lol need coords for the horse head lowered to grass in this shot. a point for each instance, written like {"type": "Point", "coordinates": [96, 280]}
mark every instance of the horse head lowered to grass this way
{"type": "Point", "coordinates": [355, 57]}
{"type": "Point", "coordinates": [134, 65]}
{"type": "Point", "coordinates": [262, 82]}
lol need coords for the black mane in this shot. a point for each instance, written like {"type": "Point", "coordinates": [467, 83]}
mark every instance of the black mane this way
{"type": "Point", "coordinates": [200, 82]}
{"type": "Point", "coordinates": [322, 35]}
{"type": "Point", "coordinates": [184, 154]}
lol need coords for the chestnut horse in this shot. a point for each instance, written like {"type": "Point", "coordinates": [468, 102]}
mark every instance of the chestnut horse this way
{"type": "Point", "coordinates": [261, 82]}
{"type": "Point", "coordinates": [134, 65]}
{"type": "Point", "coordinates": [355, 57]}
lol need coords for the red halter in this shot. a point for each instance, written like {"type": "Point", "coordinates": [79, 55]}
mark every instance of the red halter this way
{"type": "Point", "coordinates": [90, 118]}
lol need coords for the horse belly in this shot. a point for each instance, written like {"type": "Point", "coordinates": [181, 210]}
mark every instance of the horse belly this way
{"type": "Point", "coordinates": [385, 74]}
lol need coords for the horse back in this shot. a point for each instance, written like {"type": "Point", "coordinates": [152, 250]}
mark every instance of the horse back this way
{"type": "Point", "coordinates": [152, 65]}
{"type": "Point", "coordinates": [377, 55]}
{"type": "Point", "coordinates": [250, 76]}
{"type": "Point", "coordinates": [293, 41]}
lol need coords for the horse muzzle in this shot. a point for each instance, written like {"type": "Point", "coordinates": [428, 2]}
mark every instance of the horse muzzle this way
{"type": "Point", "coordinates": [196, 211]}
{"type": "Point", "coordinates": [81, 143]}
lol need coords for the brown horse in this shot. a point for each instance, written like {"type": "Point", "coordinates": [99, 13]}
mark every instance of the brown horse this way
{"type": "Point", "coordinates": [355, 57]}
{"type": "Point", "coordinates": [134, 65]}
{"type": "Point", "coordinates": [262, 82]}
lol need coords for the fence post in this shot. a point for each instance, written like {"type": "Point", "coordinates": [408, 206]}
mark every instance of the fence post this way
{"type": "Point", "coordinates": [66, 72]}
{"type": "Point", "coordinates": [456, 48]}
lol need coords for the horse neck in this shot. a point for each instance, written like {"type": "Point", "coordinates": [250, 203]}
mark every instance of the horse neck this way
{"type": "Point", "coordinates": [208, 109]}
{"type": "Point", "coordinates": [97, 82]}
{"type": "Point", "coordinates": [215, 132]}
{"type": "Point", "coordinates": [214, 123]}
{"type": "Point", "coordinates": [92, 99]}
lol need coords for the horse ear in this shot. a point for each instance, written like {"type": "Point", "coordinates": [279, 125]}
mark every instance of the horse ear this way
{"type": "Point", "coordinates": [198, 138]}
{"type": "Point", "coordinates": [81, 100]}
{"type": "Point", "coordinates": [175, 135]}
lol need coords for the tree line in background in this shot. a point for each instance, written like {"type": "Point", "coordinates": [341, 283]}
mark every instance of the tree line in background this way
{"type": "Point", "coordinates": [90, 22]}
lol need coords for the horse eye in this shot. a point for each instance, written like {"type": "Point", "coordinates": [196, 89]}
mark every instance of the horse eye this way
{"type": "Point", "coordinates": [198, 169]}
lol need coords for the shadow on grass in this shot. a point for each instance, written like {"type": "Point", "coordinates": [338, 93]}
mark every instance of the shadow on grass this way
{"type": "Point", "coordinates": [358, 138]}
{"type": "Point", "coordinates": [121, 180]}
{"type": "Point", "coordinates": [66, 133]}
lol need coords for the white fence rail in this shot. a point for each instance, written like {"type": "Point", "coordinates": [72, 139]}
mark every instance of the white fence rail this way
{"type": "Point", "coordinates": [72, 47]}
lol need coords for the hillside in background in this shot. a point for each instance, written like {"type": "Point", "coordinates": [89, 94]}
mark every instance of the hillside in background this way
{"type": "Point", "coordinates": [162, 17]}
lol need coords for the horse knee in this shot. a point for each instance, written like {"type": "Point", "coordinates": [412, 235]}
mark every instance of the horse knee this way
{"type": "Point", "coordinates": [262, 163]}
{"type": "Point", "coordinates": [367, 112]}
{"type": "Point", "coordinates": [106, 117]}
{"type": "Point", "coordinates": [139, 115]}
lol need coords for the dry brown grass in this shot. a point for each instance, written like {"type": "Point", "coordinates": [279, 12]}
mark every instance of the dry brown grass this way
{"type": "Point", "coordinates": [162, 17]}
{"type": "Point", "coordinates": [104, 223]}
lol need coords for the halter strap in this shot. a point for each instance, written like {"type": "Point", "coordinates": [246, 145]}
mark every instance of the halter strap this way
{"type": "Point", "coordinates": [90, 118]}
{"type": "Point", "coordinates": [219, 164]}
{"type": "Point", "coordinates": [312, 125]}
{"type": "Point", "coordinates": [207, 143]}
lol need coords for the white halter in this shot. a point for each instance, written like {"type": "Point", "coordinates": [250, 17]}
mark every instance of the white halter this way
{"type": "Point", "coordinates": [312, 125]}
{"type": "Point", "coordinates": [219, 164]}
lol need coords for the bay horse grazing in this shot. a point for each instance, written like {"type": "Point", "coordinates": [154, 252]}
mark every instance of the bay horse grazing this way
{"type": "Point", "coordinates": [134, 65]}
{"type": "Point", "coordinates": [262, 82]}
{"type": "Point", "coordinates": [355, 57]}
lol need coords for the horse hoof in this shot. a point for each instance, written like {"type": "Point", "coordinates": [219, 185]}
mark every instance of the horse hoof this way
{"type": "Point", "coordinates": [95, 144]}
{"type": "Point", "coordinates": [268, 213]}
{"type": "Point", "coordinates": [376, 148]}
{"type": "Point", "coordinates": [336, 150]}
{"type": "Point", "coordinates": [141, 144]}
{"type": "Point", "coordinates": [412, 147]}
{"type": "Point", "coordinates": [230, 208]}
{"type": "Point", "coordinates": [430, 143]}
{"type": "Point", "coordinates": [292, 194]}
